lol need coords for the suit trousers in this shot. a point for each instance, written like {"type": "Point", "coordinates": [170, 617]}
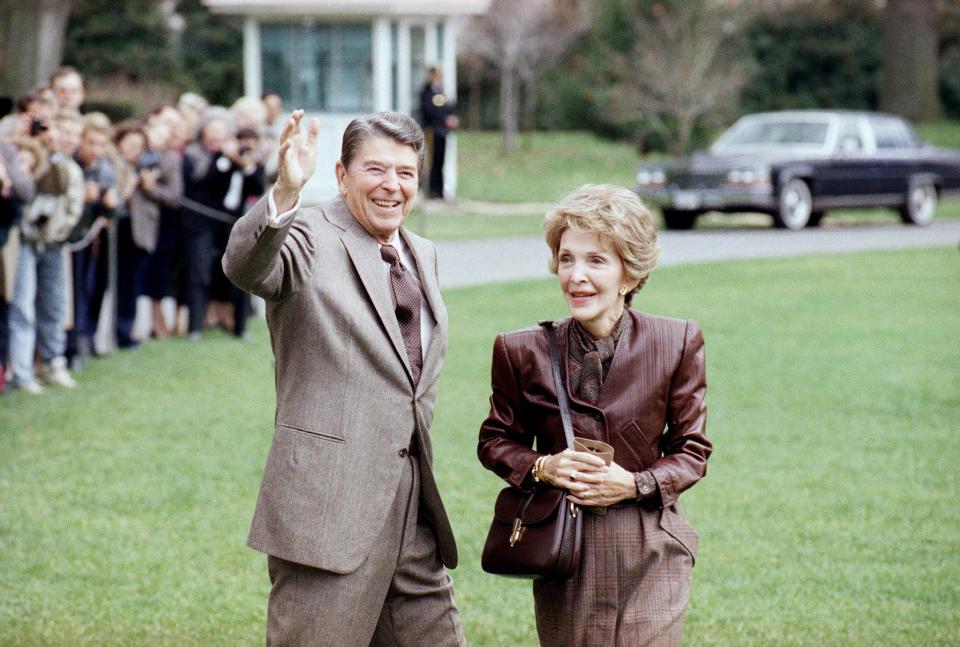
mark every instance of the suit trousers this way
{"type": "Point", "coordinates": [400, 596]}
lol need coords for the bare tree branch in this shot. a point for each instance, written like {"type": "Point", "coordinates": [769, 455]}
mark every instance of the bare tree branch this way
{"type": "Point", "coordinates": [681, 71]}
{"type": "Point", "coordinates": [522, 40]}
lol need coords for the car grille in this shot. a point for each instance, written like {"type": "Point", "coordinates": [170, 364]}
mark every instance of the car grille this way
{"type": "Point", "coordinates": [697, 180]}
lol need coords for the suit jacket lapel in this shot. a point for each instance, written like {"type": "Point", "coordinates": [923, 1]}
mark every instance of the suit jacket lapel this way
{"type": "Point", "coordinates": [364, 251]}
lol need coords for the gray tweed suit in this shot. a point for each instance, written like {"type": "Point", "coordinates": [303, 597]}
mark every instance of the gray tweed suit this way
{"type": "Point", "coordinates": [338, 474]}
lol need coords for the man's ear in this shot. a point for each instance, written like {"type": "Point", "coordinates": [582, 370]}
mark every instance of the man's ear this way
{"type": "Point", "coordinates": [341, 172]}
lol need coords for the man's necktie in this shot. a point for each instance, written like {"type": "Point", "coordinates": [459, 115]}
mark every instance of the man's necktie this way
{"type": "Point", "coordinates": [408, 297]}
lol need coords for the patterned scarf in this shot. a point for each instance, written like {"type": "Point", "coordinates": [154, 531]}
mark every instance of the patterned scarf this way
{"type": "Point", "coordinates": [589, 358]}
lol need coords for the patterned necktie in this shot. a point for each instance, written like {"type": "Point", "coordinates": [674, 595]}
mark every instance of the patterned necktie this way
{"type": "Point", "coordinates": [408, 297]}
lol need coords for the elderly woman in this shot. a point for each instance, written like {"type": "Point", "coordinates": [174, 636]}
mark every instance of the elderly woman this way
{"type": "Point", "coordinates": [636, 382]}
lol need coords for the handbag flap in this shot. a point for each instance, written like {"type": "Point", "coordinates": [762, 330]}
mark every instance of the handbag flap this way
{"type": "Point", "coordinates": [510, 502]}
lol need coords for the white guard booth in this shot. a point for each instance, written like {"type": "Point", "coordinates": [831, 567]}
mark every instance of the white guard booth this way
{"type": "Point", "coordinates": [338, 59]}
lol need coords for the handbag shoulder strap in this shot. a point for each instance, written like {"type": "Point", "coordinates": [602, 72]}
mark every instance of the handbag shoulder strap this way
{"type": "Point", "coordinates": [559, 383]}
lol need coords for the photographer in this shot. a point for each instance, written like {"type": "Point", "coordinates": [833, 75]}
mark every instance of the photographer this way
{"type": "Point", "coordinates": [34, 111]}
{"type": "Point", "coordinates": [210, 175]}
{"type": "Point", "coordinates": [246, 186]}
{"type": "Point", "coordinates": [39, 297]}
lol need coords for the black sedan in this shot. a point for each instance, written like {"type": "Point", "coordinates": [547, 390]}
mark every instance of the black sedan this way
{"type": "Point", "coordinates": [795, 165]}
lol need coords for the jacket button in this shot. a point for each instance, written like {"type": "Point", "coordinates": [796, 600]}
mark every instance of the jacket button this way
{"type": "Point", "coordinates": [404, 452]}
{"type": "Point", "coordinates": [598, 416]}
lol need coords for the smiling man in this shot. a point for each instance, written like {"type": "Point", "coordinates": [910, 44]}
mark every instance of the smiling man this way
{"type": "Point", "coordinates": [357, 537]}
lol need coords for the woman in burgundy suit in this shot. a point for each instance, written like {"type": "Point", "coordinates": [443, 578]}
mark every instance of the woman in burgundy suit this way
{"type": "Point", "coordinates": [635, 381]}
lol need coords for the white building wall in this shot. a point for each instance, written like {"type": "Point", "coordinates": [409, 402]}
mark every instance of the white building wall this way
{"type": "Point", "coordinates": [450, 32]}
{"type": "Point", "coordinates": [382, 54]}
{"type": "Point", "coordinates": [323, 186]}
{"type": "Point", "coordinates": [404, 82]}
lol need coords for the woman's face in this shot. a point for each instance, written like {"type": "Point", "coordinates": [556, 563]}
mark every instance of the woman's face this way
{"type": "Point", "coordinates": [215, 133]}
{"type": "Point", "coordinates": [131, 147]}
{"type": "Point", "coordinates": [591, 275]}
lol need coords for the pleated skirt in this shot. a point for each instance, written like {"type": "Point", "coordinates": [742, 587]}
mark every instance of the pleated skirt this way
{"type": "Point", "coordinates": [632, 586]}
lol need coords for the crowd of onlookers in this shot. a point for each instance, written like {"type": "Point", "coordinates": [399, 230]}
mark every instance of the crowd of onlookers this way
{"type": "Point", "coordinates": [143, 206]}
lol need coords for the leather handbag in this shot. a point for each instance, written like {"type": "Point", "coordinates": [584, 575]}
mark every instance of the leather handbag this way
{"type": "Point", "coordinates": [539, 533]}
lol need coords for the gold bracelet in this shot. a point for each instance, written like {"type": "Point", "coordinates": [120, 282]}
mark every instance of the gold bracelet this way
{"type": "Point", "coordinates": [538, 469]}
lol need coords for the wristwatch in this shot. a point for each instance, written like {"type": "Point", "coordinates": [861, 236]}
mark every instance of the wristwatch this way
{"type": "Point", "coordinates": [646, 484]}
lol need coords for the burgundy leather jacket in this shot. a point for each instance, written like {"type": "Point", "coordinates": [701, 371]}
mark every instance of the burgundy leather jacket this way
{"type": "Point", "coordinates": [651, 407]}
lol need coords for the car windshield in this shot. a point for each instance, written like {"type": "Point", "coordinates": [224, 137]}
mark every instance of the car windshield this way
{"type": "Point", "coordinates": [763, 132]}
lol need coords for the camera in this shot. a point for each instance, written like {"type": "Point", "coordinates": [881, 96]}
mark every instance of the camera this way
{"type": "Point", "coordinates": [36, 127]}
{"type": "Point", "coordinates": [148, 160]}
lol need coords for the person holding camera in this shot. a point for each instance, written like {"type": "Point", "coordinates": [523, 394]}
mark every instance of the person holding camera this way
{"type": "Point", "coordinates": [246, 186]}
{"type": "Point", "coordinates": [213, 174]}
{"type": "Point", "coordinates": [39, 294]}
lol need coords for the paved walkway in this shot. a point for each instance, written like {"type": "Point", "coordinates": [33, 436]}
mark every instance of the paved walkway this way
{"type": "Point", "coordinates": [478, 262]}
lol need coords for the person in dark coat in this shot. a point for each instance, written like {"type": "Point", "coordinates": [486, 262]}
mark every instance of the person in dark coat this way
{"type": "Point", "coordinates": [247, 185]}
{"type": "Point", "coordinates": [438, 119]}
{"type": "Point", "coordinates": [636, 382]}
{"type": "Point", "coordinates": [209, 166]}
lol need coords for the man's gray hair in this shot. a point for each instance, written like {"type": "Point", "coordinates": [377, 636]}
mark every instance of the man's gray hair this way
{"type": "Point", "coordinates": [401, 128]}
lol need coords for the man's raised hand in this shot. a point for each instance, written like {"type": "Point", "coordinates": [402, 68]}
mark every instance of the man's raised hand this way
{"type": "Point", "coordinates": [297, 158]}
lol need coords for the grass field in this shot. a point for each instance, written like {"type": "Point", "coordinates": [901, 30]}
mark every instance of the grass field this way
{"type": "Point", "coordinates": [829, 515]}
{"type": "Point", "coordinates": [543, 167]}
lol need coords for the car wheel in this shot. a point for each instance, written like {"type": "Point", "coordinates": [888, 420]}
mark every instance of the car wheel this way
{"type": "Point", "coordinates": [794, 205]}
{"type": "Point", "coordinates": [921, 204]}
{"type": "Point", "coordinates": [679, 219]}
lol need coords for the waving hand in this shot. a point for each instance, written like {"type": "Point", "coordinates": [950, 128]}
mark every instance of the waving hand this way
{"type": "Point", "coordinates": [297, 160]}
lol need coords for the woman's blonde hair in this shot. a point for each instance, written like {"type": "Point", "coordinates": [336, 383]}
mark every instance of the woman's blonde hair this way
{"type": "Point", "coordinates": [618, 217]}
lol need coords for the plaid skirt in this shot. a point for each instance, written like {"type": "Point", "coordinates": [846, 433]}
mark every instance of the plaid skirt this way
{"type": "Point", "coordinates": [632, 586]}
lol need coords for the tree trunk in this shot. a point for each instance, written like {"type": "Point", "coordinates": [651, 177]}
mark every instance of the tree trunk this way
{"type": "Point", "coordinates": [909, 74]}
{"type": "Point", "coordinates": [509, 107]}
{"type": "Point", "coordinates": [529, 105]}
{"type": "Point", "coordinates": [681, 143]}
{"type": "Point", "coordinates": [32, 43]}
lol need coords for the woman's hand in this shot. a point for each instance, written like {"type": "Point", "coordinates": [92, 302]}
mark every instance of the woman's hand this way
{"type": "Point", "coordinates": [111, 198]}
{"type": "Point", "coordinates": [605, 487]}
{"type": "Point", "coordinates": [149, 178]}
{"type": "Point", "coordinates": [297, 159]}
{"type": "Point", "coordinates": [568, 469]}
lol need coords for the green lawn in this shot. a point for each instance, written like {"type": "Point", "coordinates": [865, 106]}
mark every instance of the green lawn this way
{"type": "Point", "coordinates": [829, 515]}
{"type": "Point", "coordinates": [940, 133]}
{"type": "Point", "coordinates": [544, 167]}
{"type": "Point", "coordinates": [470, 226]}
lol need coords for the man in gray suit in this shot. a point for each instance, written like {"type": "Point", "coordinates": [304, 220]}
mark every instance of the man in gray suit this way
{"type": "Point", "coordinates": [349, 514]}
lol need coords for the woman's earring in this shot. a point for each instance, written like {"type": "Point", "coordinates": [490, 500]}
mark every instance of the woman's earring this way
{"type": "Point", "coordinates": [622, 291]}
